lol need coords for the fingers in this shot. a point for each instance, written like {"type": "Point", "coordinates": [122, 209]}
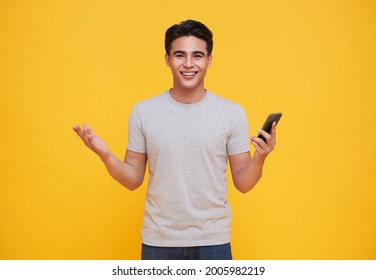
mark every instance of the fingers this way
{"type": "Point", "coordinates": [274, 133]}
{"type": "Point", "coordinates": [270, 138]}
{"type": "Point", "coordinates": [84, 133]}
{"type": "Point", "coordinates": [266, 135]}
{"type": "Point", "coordinates": [89, 133]}
{"type": "Point", "coordinates": [88, 129]}
{"type": "Point", "coordinates": [258, 143]}
{"type": "Point", "coordinates": [268, 146]}
{"type": "Point", "coordinates": [77, 129]}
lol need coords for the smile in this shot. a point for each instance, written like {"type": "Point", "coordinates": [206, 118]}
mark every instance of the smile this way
{"type": "Point", "coordinates": [189, 74]}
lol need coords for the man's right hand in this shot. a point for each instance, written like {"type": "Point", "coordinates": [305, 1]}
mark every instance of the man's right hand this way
{"type": "Point", "coordinates": [93, 141]}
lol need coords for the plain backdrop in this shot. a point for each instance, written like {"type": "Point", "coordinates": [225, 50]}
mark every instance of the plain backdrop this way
{"type": "Point", "coordinates": [76, 61]}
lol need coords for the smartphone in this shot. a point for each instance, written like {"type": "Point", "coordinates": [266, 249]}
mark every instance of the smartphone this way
{"type": "Point", "coordinates": [273, 117]}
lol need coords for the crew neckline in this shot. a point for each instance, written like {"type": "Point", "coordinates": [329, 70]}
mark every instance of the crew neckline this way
{"type": "Point", "coordinates": [188, 105]}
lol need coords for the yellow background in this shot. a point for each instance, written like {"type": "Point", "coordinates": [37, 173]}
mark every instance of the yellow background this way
{"type": "Point", "coordinates": [68, 62]}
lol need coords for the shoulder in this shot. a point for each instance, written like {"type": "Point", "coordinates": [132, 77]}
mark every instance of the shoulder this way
{"type": "Point", "coordinates": [151, 104]}
{"type": "Point", "coordinates": [157, 99]}
{"type": "Point", "coordinates": [225, 104]}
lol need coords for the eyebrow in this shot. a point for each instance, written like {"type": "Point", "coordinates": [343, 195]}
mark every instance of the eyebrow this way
{"type": "Point", "coordinates": [183, 52]}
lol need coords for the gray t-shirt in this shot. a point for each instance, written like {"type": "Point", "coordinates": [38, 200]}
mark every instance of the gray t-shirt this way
{"type": "Point", "coordinates": [187, 147]}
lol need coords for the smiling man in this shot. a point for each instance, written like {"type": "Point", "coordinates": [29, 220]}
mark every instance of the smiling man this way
{"type": "Point", "coordinates": [187, 135]}
{"type": "Point", "coordinates": [188, 60]}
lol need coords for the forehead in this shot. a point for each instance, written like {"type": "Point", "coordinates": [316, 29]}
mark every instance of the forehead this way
{"type": "Point", "coordinates": [188, 44]}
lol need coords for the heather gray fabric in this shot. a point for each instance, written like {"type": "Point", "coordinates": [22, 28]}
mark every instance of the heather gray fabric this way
{"type": "Point", "coordinates": [187, 147]}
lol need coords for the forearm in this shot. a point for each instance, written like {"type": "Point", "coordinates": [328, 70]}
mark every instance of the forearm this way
{"type": "Point", "coordinates": [247, 177]}
{"type": "Point", "coordinates": [123, 172]}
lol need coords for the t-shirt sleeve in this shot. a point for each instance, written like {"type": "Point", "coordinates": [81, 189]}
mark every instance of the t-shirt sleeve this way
{"type": "Point", "coordinates": [136, 136]}
{"type": "Point", "coordinates": [238, 141]}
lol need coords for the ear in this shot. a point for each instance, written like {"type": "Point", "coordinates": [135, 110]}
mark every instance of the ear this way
{"type": "Point", "coordinates": [167, 59]}
{"type": "Point", "coordinates": [210, 58]}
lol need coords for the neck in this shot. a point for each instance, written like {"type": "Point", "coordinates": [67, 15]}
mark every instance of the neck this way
{"type": "Point", "coordinates": [188, 96]}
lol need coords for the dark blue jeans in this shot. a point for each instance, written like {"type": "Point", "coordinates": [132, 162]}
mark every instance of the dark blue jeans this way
{"type": "Point", "coordinates": [216, 252]}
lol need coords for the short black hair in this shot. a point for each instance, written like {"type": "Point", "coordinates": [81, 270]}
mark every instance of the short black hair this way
{"type": "Point", "coordinates": [189, 28]}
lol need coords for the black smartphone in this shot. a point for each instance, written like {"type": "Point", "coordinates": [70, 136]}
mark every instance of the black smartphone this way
{"type": "Point", "coordinates": [273, 117]}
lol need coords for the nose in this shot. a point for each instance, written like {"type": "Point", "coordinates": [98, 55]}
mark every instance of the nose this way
{"type": "Point", "coordinates": [188, 62]}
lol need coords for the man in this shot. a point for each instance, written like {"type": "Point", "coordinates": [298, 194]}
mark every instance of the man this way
{"type": "Point", "coordinates": [187, 135]}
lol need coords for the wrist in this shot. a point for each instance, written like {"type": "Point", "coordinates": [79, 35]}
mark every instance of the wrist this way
{"type": "Point", "coordinates": [106, 158]}
{"type": "Point", "coordinates": [258, 158]}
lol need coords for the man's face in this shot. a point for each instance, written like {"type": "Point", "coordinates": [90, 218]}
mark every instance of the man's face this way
{"type": "Point", "coordinates": [188, 60]}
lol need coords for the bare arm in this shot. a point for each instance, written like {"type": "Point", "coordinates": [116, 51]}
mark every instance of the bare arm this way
{"type": "Point", "coordinates": [129, 173]}
{"type": "Point", "coordinates": [246, 170]}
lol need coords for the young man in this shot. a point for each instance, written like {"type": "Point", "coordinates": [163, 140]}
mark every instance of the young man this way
{"type": "Point", "coordinates": [187, 135]}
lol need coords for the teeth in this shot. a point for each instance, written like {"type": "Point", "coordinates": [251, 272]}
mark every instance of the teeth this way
{"type": "Point", "coordinates": [189, 73]}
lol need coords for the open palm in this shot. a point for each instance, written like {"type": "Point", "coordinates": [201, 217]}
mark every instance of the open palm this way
{"type": "Point", "coordinates": [93, 141]}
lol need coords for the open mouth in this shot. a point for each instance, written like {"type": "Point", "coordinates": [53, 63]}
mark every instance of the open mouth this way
{"type": "Point", "coordinates": [189, 74]}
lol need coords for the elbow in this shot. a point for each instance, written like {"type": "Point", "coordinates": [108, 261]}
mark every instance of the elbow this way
{"type": "Point", "coordinates": [245, 186]}
{"type": "Point", "coordinates": [132, 185]}
{"type": "Point", "coordinates": [244, 189]}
